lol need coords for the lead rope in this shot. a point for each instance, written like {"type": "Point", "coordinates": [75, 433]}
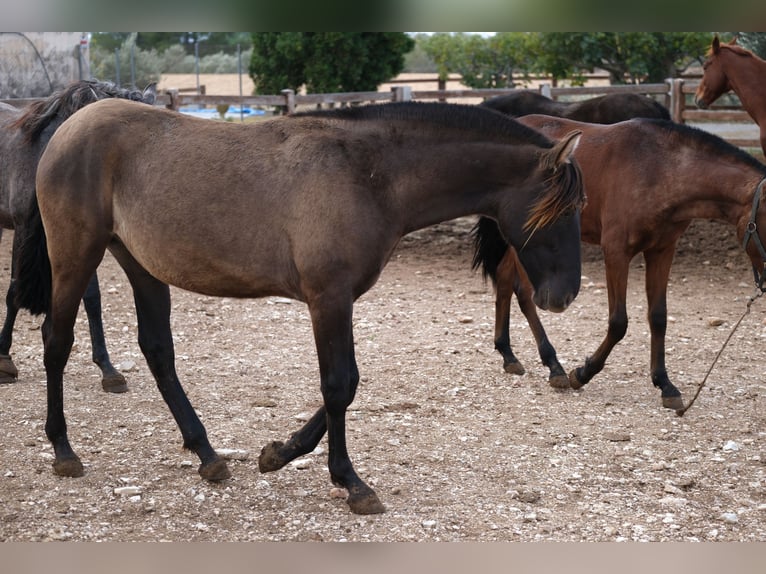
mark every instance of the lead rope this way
{"type": "Point", "coordinates": [758, 293]}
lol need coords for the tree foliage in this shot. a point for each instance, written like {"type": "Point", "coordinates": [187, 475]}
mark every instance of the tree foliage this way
{"type": "Point", "coordinates": [326, 61]}
{"type": "Point", "coordinates": [626, 56]}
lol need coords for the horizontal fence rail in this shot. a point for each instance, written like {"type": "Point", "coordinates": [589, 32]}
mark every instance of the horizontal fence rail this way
{"type": "Point", "coordinates": [676, 94]}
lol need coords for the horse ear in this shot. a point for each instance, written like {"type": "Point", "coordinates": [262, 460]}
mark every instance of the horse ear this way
{"type": "Point", "coordinates": [563, 150]}
{"type": "Point", "coordinates": [150, 93]}
{"type": "Point", "coordinates": [716, 44]}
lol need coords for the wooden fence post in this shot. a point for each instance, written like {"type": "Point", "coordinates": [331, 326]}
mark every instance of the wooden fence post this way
{"type": "Point", "coordinates": [173, 99]}
{"type": "Point", "coordinates": [677, 100]}
{"type": "Point", "coordinates": [401, 94]}
{"type": "Point", "coordinates": [289, 100]}
{"type": "Point", "coordinates": [545, 89]}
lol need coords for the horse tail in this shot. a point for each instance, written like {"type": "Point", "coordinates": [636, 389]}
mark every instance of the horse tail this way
{"type": "Point", "coordinates": [33, 269]}
{"type": "Point", "coordinates": [489, 247]}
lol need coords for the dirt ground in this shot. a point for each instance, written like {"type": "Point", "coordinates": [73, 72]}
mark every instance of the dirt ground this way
{"type": "Point", "coordinates": [456, 449]}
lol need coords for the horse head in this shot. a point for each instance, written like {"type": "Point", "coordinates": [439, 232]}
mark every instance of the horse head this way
{"type": "Point", "coordinates": [714, 80]}
{"type": "Point", "coordinates": [549, 248]}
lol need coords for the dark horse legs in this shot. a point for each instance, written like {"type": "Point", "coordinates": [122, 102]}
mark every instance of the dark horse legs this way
{"type": "Point", "coordinates": [112, 380]}
{"type": "Point", "coordinates": [152, 299]}
{"type": "Point", "coordinates": [657, 273]}
{"type": "Point", "coordinates": [512, 279]}
{"type": "Point", "coordinates": [331, 319]}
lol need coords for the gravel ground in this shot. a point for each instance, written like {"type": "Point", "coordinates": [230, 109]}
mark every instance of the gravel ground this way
{"type": "Point", "coordinates": [456, 449]}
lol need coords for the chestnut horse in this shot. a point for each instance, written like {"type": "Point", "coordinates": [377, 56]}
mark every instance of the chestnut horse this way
{"type": "Point", "coordinates": [606, 109]}
{"type": "Point", "coordinates": [731, 67]}
{"type": "Point", "coordinates": [646, 181]}
{"type": "Point", "coordinates": [308, 206]}
{"type": "Point", "coordinates": [24, 133]}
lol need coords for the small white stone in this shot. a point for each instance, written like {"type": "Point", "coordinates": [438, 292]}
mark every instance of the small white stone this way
{"type": "Point", "coordinates": [127, 366]}
{"type": "Point", "coordinates": [301, 464]}
{"type": "Point", "coordinates": [233, 453]}
{"type": "Point", "coordinates": [128, 491]}
{"type": "Point", "coordinates": [730, 517]}
{"type": "Point", "coordinates": [428, 523]}
{"type": "Point", "coordinates": [731, 446]}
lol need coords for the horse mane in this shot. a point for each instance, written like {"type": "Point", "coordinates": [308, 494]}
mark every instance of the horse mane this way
{"type": "Point", "coordinates": [486, 122]}
{"type": "Point", "coordinates": [736, 48]}
{"type": "Point", "coordinates": [64, 102]}
{"type": "Point", "coordinates": [702, 139]}
{"type": "Point", "coordinates": [565, 194]}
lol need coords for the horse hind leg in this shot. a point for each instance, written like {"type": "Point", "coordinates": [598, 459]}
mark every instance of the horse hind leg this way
{"type": "Point", "coordinates": [658, 265]}
{"type": "Point", "coordinates": [504, 288]}
{"type": "Point", "coordinates": [112, 381]}
{"type": "Point", "coordinates": [8, 371]}
{"type": "Point", "coordinates": [152, 300]}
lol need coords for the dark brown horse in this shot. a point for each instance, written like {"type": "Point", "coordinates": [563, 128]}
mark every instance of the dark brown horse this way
{"type": "Point", "coordinates": [607, 109]}
{"type": "Point", "coordinates": [24, 133]}
{"type": "Point", "coordinates": [646, 181]}
{"type": "Point", "coordinates": [731, 67]}
{"type": "Point", "coordinates": [309, 206]}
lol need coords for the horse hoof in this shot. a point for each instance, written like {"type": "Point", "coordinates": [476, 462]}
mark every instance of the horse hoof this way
{"type": "Point", "coordinates": [215, 471]}
{"type": "Point", "coordinates": [115, 383]}
{"type": "Point", "coordinates": [6, 379]}
{"type": "Point", "coordinates": [574, 382]}
{"type": "Point", "coordinates": [559, 382]}
{"type": "Point", "coordinates": [675, 403]}
{"type": "Point", "coordinates": [515, 368]}
{"type": "Point", "coordinates": [368, 503]}
{"type": "Point", "coordinates": [8, 371]}
{"type": "Point", "coordinates": [71, 467]}
{"type": "Point", "coordinates": [270, 459]}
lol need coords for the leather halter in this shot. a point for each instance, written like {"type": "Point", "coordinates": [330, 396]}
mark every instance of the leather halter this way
{"type": "Point", "coordinates": [751, 232]}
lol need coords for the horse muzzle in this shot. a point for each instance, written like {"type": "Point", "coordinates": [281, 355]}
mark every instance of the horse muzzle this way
{"type": "Point", "coordinates": [700, 103]}
{"type": "Point", "coordinates": [546, 300]}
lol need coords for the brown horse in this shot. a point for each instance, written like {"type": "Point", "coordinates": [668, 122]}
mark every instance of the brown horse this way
{"type": "Point", "coordinates": [606, 109]}
{"type": "Point", "coordinates": [646, 181]}
{"type": "Point", "coordinates": [24, 133]}
{"type": "Point", "coordinates": [731, 67]}
{"type": "Point", "coordinates": [309, 206]}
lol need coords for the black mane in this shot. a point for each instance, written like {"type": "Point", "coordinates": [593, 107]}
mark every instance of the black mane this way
{"type": "Point", "coordinates": [706, 140]}
{"type": "Point", "coordinates": [63, 103]}
{"type": "Point", "coordinates": [488, 122]}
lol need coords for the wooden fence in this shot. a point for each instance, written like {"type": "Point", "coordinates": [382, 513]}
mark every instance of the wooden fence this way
{"type": "Point", "coordinates": [675, 94]}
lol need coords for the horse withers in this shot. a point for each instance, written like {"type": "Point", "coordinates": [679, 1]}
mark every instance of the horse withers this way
{"type": "Point", "coordinates": [646, 181]}
{"type": "Point", "coordinates": [24, 133]}
{"type": "Point", "coordinates": [730, 67]}
{"type": "Point", "coordinates": [309, 206]}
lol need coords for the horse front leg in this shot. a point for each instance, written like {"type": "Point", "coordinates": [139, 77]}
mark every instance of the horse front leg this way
{"type": "Point", "coordinates": [152, 300]}
{"type": "Point", "coordinates": [331, 318]}
{"type": "Point", "coordinates": [657, 274]}
{"type": "Point", "coordinates": [617, 286]}
{"type": "Point", "coordinates": [524, 294]}
{"type": "Point", "coordinates": [112, 381]}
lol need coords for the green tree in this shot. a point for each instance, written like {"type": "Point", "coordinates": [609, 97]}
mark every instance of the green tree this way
{"type": "Point", "coordinates": [753, 41]}
{"type": "Point", "coordinates": [326, 61]}
{"type": "Point", "coordinates": [627, 56]}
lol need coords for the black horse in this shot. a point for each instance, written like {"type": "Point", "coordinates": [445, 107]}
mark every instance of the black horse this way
{"type": "Point", "coordinates": [24, 133]}
{"type": "Point", "coordinates": [607, 109]}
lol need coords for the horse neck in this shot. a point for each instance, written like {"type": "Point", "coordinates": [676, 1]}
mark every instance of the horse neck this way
{"type": "Point", "coordinates": [748, 80]}
{"type": "Point", "coordinates": [470, 179]}
{"type": "Point", "coordinates": [726, 197]}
